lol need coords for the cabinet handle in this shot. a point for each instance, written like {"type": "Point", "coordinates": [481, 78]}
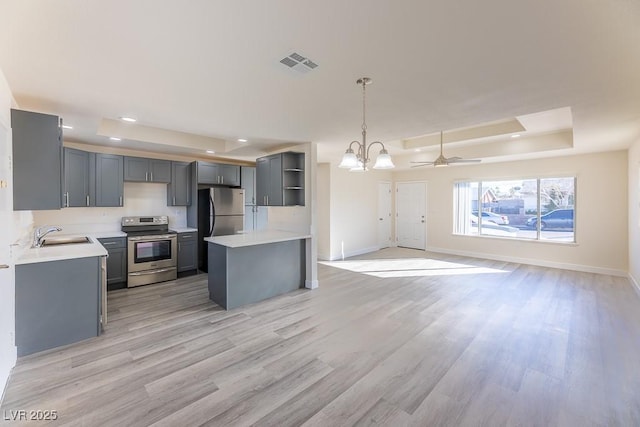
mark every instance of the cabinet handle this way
{"type": "Point", "coordinates": [66, 199]}
{"type": "Point", "coordinates": [178, 246]}
{"type": "Point", "coordinates": [267, 200]}
{"type": "Point", "coordinates": [120, 200]}
{"type": "Point", "coordinates": [87, 200]}
{"type": "Point", "coordinates": [222, 178]}
{"type": "Point", "coordinates": [109, 243]}
{"type": "Point", "coordinates": [174, 200]}
{"type": "Point", "coordinates": [3, 266]}
{"type": "Point", "coordinates": [184, 236]}
{"type": "Point", "coordinates": [151, 175]}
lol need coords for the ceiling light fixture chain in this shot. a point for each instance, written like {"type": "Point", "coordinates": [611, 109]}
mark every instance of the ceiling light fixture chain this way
{"type": "Point", "coordinates": [358, 162]}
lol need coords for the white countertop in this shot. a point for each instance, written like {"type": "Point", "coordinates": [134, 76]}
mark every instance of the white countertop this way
{"type": "Point", "coordinates": [253, 238]}
{"type": "Point", "coordinates": [29, 255]}
{"type": "Point", "coordinates": [106, 234]}
{"type": "Point", "coordinates": [183, 229]}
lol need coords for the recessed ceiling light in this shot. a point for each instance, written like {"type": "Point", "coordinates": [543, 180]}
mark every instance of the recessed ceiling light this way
{"type": "Point", "coordinates": [67, 127]}
{"type": "Point", "coordinates": [128, 119]}
{"type": "Point", "coordinates": [211, 152]}
{"type": "Point", "coordinates": [242, 140]}
{"type": "Point", "coordinates": [417, 150]}
{"type": "Point", "coordinates": [517, 135]}
{"type": "Point", "coordinates": [115, 138]}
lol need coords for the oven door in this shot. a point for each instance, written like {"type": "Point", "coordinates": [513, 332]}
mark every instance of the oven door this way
{"type": "Point", "coordinates": [151, 252]}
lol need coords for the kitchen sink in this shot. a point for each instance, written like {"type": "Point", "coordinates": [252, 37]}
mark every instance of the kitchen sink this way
{"type": "Point", "coordinates": [55, 241]}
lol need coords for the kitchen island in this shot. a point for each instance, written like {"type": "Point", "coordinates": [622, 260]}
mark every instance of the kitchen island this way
{"type": "Point", "coordinates": [250, 267]}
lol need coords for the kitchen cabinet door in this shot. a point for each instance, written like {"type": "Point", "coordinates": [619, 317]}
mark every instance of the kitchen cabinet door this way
{"type": "Point", "coordinates": [248, 183]}
{"type": "Point", "coordinates": [77, 172]}
{"type": "Point", "coordinates": [229, 175]}
{"type": "Point", "coordinates": [136, 169]}
{"type": "Point", "coordinates": [187, 252]}
{"type": "Point", "coordinates": [140, 169]}
{"type": "Point", "coordinates": [207, 173]}
{"type": "Point", "coordinates": [37, 161]}
{"type": "Point", "coordinates": [159, 170]}
{"type": "Point", "coordinates": [117, 259]}
{"type": "Point", "coordinates": [179, 190]}
{"type": "Point", "coordinates": [269, 180]}
{"type": "Point", "coordinates": [109, 180]}
{"type": "Point", "coordinates": [274, 196]}
{"type": "Point", "coordinates": [262, 180]}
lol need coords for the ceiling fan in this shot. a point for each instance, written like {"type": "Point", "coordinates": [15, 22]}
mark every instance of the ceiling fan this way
{"type": "Point", "coordinates": [443, 161]}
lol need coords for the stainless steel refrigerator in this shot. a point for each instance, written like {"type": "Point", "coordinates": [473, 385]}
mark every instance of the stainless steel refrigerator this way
{"type": "Point", "coordinates": [220, 212]}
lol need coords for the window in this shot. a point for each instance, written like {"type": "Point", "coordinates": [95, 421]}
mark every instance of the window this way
{"type": "Point", "coordinates": [533, 209]}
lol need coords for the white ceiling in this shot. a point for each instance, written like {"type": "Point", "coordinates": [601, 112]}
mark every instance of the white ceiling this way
{"type": "Point", "coordinates": [211, 68]}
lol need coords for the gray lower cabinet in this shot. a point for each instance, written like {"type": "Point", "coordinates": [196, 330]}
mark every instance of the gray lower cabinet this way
{"type": "Point", "coordinates": [116, 261]}
{"type": "Point", "coordinates": [179, 189]}
{"type": "Point", "coordinates": [37, 161]}
{"type": "Point", "coordinates": [218, 174]}
{"type": "Point", "coordinates": [139, 169]}
{"type": "Point", "coordinates": [57, 303]}
{"type": "Point", "coordinates": [109, 180]}
{"type": "Point", "coordinates": [187, 252]}
{"type": "Point", "coordinates": [78, 171]}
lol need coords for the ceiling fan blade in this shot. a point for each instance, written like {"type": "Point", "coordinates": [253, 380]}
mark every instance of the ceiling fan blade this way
{"type": "Point", "coordinates": [422, 164]}
{"type": "Point", "coordinates": [461, 160]}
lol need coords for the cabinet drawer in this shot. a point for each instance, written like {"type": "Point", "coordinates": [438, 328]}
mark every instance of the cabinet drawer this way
{"type": "Point", "coordinates": [187, 236]}
{"type": "Point", "coordinates": [113, 242]}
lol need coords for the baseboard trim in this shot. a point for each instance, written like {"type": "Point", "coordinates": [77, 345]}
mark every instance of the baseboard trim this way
{"type": "Point", "coordinates": [536, 262]}
{"type": "Point", "coordinates": [353, 253]}
{"type": "Point", "coordinates": [634, 284]}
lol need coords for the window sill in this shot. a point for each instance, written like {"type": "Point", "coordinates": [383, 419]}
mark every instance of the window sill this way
{"type": "Point", "coordinates": [516, 239]}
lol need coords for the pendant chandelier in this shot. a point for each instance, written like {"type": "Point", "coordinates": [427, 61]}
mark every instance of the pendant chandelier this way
{"type": "Point", "coordinates": [358, 160]}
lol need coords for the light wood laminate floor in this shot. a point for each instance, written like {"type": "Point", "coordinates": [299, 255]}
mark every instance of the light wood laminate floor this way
{"type": "Point", "coordinates": [397, 337]}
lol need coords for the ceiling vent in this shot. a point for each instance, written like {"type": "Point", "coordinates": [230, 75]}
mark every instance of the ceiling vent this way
{"type": "Point", "coordinates": [297, 62]}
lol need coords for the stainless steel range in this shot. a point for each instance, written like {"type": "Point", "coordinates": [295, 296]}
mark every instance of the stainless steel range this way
{"type": "Point", "coordinates": [151, 248]}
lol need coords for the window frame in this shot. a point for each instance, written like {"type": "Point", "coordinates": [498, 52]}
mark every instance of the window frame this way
{"type": "Point", "coordinates": [538, 237]}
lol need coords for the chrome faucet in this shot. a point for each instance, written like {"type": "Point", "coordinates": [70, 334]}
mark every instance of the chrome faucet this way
{"type": "Point", "coordinates": [38, 235]}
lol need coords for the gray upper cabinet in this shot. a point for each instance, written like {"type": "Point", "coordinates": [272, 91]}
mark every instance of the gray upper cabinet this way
{"type": "Point", "coordinates": [78, 171]}
{"type": "Point", "coordinates": [269, 180]}
{"type": "Point", "coordinates": [109, 180]}
{"type": "Point", "coordinates": [140, 169]}
{"type": "Point", "coordinates": [37, 161]}
{"type": "Point", "coordinates": [179, 190]}
{"type": "Point", "coordinates": [280, 180]}
{"type": "Point", "coordinates": [218, 174]}
{"type": "Point", "coordinates": [230, 175]}
{"type": "Point", "coordinates": [248, 181]}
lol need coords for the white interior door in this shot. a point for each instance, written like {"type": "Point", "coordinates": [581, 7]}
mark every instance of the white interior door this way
{"type": "Point", "coordinates": [411, 214]}
{"type": "Point", "coordinates": [384, 215]}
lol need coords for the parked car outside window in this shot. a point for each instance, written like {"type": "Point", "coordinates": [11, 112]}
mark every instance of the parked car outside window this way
{"type": "Point", "coordinates": [493, 217]}
{"type": "Point", "coordinates": [559, 218]}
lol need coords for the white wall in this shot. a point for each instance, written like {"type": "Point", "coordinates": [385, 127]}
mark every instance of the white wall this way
{"type": "Point", "coordinates": [601, 212]}
{"type": "Point", "coordinates": [634, 214]}
{"type": "Point", "coordinates": [16, 226]}
{"type": "Point", "coordinates": [324, 210]}
{"type": "Point", "coordinates": [140, 199]}
{"type": "Point", "coordinates": [354, 211]}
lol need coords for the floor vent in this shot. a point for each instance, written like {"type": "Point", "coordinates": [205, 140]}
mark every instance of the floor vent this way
{"type": "Point", "coordinates": [297, 62]}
